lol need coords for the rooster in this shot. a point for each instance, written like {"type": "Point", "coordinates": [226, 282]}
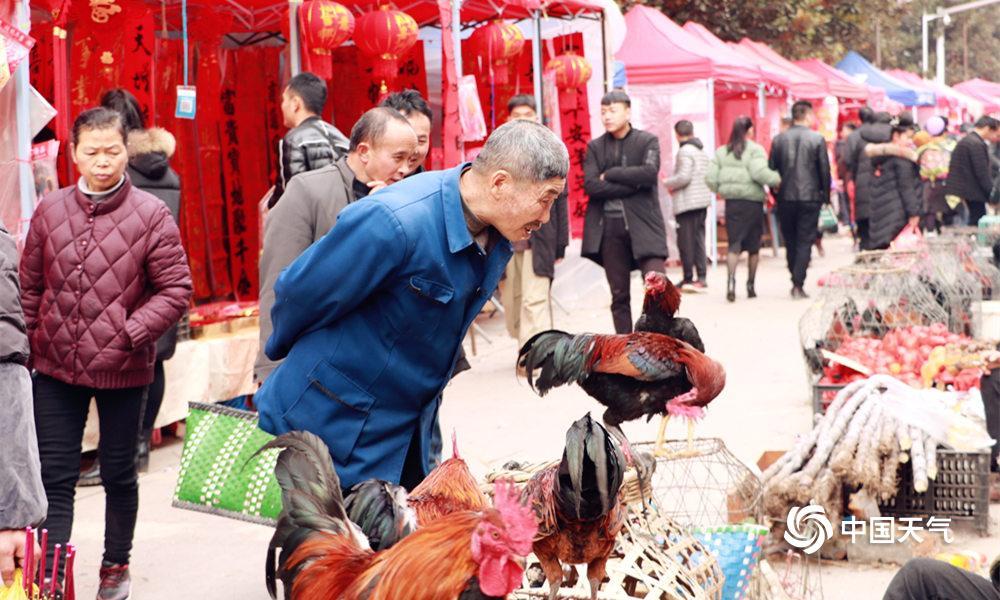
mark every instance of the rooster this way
{"type": "Point", "coordinates": [386, 513]}
{"type": "Point", "coordinates": [633, 375]}
{"type": "Point", "coordinates": [578, 506]}
{"type": "Point", "coordinates": [448, 488]}
{"type": "Point", "coordinates": [466, 554]}
{"type": "Point", "coordinates": [659, 309]}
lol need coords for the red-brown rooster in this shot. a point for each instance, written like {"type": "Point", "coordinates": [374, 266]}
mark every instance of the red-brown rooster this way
{"type": "Point", "coordinates": [633, 375]}
{"type": "Point", "coordinates": [578, 505]}
{"type": "Point", "coordinates": [386, 513]}
{"type": "Point", "coordinates": [659, 311]}
{"type": "Point", "coordinates": [464, 555]}
{"type": "Point", "coordinates": [449, 488]}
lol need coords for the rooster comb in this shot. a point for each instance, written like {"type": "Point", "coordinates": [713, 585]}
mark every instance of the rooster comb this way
{"type": "Point", "coordinates": [518, 517]}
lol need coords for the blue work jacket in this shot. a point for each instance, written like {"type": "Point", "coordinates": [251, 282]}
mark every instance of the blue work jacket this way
{"type": "Point", "coordinates": [370, 320]}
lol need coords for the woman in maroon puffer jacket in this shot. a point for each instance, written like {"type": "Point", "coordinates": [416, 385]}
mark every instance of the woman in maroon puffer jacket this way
{"type": "Point", "coordinates": [103, 275]}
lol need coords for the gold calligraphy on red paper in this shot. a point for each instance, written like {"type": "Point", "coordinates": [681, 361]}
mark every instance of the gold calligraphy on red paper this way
{"type": "Point", "coordinates": [101, 11]}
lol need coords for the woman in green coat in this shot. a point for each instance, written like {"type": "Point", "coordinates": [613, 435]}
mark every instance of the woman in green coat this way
{"type": "Point", "coordinates": [738, 174]}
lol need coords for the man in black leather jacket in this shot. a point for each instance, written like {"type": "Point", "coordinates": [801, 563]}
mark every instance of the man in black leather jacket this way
{"type": "Point", "coordinates": [800, 155]}
{"type": "Point", "coordinates": [311, 143]}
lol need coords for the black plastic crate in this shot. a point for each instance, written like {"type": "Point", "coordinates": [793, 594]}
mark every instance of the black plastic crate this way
{"type": "Point", "coordinates": [819, 390]}
{"type": "Point", "coordinates": [961, 490]}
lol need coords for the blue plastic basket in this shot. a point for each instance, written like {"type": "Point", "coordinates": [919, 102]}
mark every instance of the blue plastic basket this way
{"type": "Point", "coordinates": [737, 548]}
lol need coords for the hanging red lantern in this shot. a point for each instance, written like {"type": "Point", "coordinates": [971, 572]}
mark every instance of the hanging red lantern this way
{"type": "Point", "coordinates": [571, 70]}
{"type": "Point", "coordinates": [386, 34]}
{"type": "Point", "coordinates": [499, 42]}
{"type": "Point", "coordinates": [325, 25]}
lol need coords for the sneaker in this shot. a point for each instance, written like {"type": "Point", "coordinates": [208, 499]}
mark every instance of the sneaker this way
{"type": "Point", "coordinates": [799, 293]}
{"type": "Point", "coordinates": [91, 476]}
{"type": "Point", "coordinates": [116, 584]}
{"type": "Point", "coordinates": [700, 285]}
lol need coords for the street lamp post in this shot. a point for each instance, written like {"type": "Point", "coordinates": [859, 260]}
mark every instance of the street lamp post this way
{"type": "Point", "coordinates": [945, 15]}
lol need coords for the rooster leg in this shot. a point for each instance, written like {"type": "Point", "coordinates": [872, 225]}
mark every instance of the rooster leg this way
{"type": "Point", "coordinates": [689, 451]}
{"type": "Point", "coordinates": [658, 448]}
{"type": "Point", "coordinates": [553, 573]}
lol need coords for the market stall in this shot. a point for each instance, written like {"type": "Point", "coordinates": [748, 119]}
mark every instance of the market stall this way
{"type": "Point", "coordinates": [674, 75]}
{"type": "Point", "coordinates": [986, 92]}
{"type": "Point", "coordinates": [871, 95]}
{"type": "Point", "coordinates": [863, 71]}
{"type": "Point", "coordinates": [955, 105]}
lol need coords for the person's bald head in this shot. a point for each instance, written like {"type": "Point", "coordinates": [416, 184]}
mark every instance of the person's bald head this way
{"type": "Point", "coordinates": [382, 142]}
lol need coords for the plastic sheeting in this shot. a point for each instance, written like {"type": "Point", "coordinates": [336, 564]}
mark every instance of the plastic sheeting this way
{"type": "Point", "coordinates": [655, 108]}
{"type": "Point", "coordinates": [10, 179]}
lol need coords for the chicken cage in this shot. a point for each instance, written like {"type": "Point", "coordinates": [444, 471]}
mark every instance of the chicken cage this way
{"type": "Point", "coordinates": [654, 558]}
{"type": "Point", "coordinates": [867, 300]}
{"type": "Point", "coordinates": [950, 273]}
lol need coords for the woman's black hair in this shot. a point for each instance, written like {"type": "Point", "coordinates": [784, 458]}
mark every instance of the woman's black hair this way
{"type": "Point", "coordinates": [124, 102]}
{"type": "Point", "coordinates": [902, 123]}
{"type": "Point", "coordinates": [738, 137]}
{"type": "Point", "coordinates": [98, 118]}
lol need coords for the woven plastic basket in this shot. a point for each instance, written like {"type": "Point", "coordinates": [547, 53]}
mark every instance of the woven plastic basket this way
{"type": "Point", "coordinates": [219, 473]}
{"type": "Point", "coordinates": [738, 549]}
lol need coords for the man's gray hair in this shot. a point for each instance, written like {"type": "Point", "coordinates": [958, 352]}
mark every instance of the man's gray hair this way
{"type": "Point", "coordinates": [525, 149]}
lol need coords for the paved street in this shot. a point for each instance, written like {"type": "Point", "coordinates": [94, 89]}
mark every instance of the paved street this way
{"type": "Point", "coordinates": [181, 554]}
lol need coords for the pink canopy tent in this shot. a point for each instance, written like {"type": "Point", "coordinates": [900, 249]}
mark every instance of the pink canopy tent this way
{"type": "Point", "coordinates": [805, 84]}
{"type": "Point", "coordinates": [657, 50]}
{"type": "Point", "coordinates": [877, 98]}
{"type": "Point", "coordinates": [770, 76]}
{"type": "Point", "coordinates": [987, 92]}
{"type": "Point", "coordinates": [956, 105]}
{"type": "Point", "coordinates": [772, 98]}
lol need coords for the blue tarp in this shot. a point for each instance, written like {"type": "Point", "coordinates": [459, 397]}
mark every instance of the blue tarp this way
{"type": "Point", "coordinates": [863, 71]}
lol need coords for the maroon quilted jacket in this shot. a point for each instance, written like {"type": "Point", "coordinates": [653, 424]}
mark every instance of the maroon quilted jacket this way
{"type": "Point", "coordinates": [99, 284]}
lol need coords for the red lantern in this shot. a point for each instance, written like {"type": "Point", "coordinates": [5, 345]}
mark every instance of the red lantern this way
{"type": "Point", "coordinates": [325, 25]}
{"type": "Point", "coordinates": [385, 34]}
{"type": "Point", "coordinates": [571, 71]}
{"type": "Point", "coordinates": [499, 42]}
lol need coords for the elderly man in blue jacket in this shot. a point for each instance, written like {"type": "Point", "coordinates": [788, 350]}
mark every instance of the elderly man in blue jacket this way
{"type": "Point", "coordinates": [370, 319]}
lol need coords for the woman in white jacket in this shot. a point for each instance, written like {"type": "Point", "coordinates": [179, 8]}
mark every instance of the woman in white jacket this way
{"type": "Point", "coordinates": [691, 198]}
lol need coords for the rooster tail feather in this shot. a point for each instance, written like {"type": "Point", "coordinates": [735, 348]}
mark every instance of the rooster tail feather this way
{"type": "Point", "coordinates": [562, 358]}
{"type": "Point", "coordinates": [311, 500]}
{"type": "Point", "coordinates": [380, 509]}
{"type": "Point", "coordinates": [591, 472]}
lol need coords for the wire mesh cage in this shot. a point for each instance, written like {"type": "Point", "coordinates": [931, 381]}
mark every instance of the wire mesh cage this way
{"type": "Point", "coordinates": [655, 558]}
{"type": "Point", "coordinates": [792, 576]}
{"type": "Point", "coordinates": [950, 274]}
{"type": "Point", "coordinates": [706, 486]}
{"type": "Point", "coordinates": [867, 299]}
{"type": "Point", "coordinates": [978, 259]}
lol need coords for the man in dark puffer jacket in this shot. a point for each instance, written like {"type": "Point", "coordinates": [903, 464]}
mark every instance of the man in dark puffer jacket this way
{"type": "Point", "coordinates": [311, 143]}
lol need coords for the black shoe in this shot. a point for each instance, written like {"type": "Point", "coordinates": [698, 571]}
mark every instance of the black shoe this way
{"type": "Point", "coordinates": [799, 293]}
{"type": "Point", "coordinates": [91, 476]}
{"type": "Point", "coordinates": [116, 584]}
{"type": "Point", "coordinates": [731, 289]}
{"type": "Point", "coordinates": [751, 292]}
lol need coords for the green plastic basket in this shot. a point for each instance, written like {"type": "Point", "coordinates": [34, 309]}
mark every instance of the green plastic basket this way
{"type": "Point", "coordinates": [219, 473]}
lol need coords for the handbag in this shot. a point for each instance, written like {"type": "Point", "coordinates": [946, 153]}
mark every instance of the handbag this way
{"type": "Point", "coordinates": [827, 219]}
{"type": "Point", "coordinates": [221, 472]}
